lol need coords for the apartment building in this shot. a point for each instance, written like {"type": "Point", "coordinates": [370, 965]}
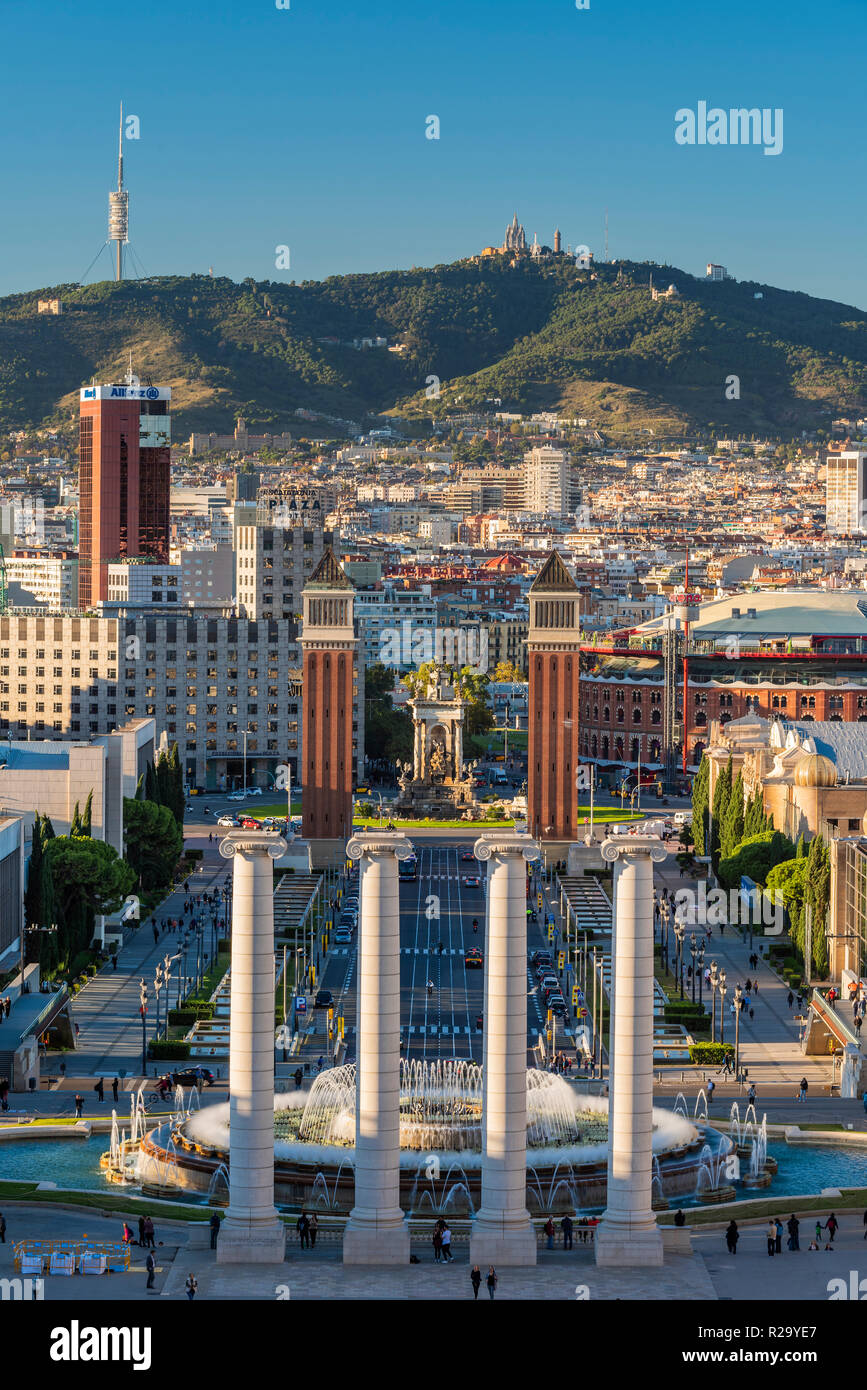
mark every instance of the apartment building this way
{"type": "Point", "coordinates": [273, 565]}
{"type": "Point", "coordinates": [37, 579]}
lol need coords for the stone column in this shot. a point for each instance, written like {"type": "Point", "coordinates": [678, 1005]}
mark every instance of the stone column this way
{"type": "Point", "coordinates": [628, 1233]}
{"type": "Point", "coordinates": [252, 1232]}
{"type": "Point", "coordinates": [502, 1233]}
{"type": "Point", "coordinates": [376, 1232]}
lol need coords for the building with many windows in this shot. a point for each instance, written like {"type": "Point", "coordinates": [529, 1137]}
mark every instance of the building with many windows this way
{"type": "Point", "coordinates": [845, 492]}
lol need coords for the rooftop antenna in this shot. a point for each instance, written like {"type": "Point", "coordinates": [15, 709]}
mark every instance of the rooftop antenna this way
{"type": "Point", "coordinates": [606, 236]}
{"type": "Point", "coordinates": [118, 207]}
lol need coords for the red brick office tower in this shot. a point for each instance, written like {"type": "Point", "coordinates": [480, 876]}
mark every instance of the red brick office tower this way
{"type": "Point", "coordinates": [553, 645]}
{"type": "Point", "coordinates": [124, 480]}
{"type": "Point", "coordinates": [330, 650]}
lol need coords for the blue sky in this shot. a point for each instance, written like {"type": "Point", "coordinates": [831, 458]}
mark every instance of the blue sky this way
{"type": "Point", "coordinates": [306, 127]}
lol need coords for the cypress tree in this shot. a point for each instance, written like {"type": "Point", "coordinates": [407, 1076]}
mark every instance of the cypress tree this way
{"type": "Point", "coordinates": [75, 827]}
{"type": "Point", "coordinates": [150, 785]}
{"type": "Point", "coordinates": [700, 807]}
{"type": "Point", "coordinates": [732, 829]}
{"type": "Point", "coordinates": [33, 891]}
{"type": "Point", "coordinates": [88, 812]}
{"type": "Point", "coordinates": [721, 796]}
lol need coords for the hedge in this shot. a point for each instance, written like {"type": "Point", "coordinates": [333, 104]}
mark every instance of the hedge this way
{"type": "Point", "coordinates": [189, 1015]}
{"type": "Point", "coordinates": [168, 1049]}
{"type": "Point", "coordinates": [193, 854]}
{"type": "Point", "coordinates": [705, 1052]}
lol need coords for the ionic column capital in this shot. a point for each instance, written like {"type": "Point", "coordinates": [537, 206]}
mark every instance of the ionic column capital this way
{"type": "Point", "coordinates": [380, 842]}
{"type": "Point", "coordinates": [622, 847]}
{"type": "Point", "coordinates": [253, 842]}
{"type": "Point", "coordinates": [503, 843]}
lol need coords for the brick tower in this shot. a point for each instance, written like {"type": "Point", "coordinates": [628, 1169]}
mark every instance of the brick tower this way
{"type": "Point", "coordinates": [552, 649]}
{"type": "Point", "coordinates": [330, 648]}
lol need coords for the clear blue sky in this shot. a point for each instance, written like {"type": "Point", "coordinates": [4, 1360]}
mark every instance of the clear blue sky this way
{"type": "Point", "coordinates": [306, 127]}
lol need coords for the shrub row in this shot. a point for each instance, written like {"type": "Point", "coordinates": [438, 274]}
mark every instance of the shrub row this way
{"type": "Point", "coordinates": [163, 1048]}
{"type": "Point", "coordinates": [707, 1052]}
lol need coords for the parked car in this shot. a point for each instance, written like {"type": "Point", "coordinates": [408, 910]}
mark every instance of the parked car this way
{"type": "Point", "coordinates": [187, 1077]}
{"type": "Point", "coordinates": [324, 999]}
{"type": "Point", "coordinates": [248, 823]}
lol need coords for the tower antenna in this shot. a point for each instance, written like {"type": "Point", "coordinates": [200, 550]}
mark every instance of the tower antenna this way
{"type": "Point", "coordinates": [606, 236]}
{"type": "Point", "coordinates": [118, 207]}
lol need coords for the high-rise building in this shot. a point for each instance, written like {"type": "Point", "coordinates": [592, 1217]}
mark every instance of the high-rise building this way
{"type": "Point", "coordinates": [846, 492]}
{"type": "Point", "coordinates": [331, 683]}
{"type": "Point", "coordinates": [124, 480]}
{"type": "Point", "coordinates": [553, 646]}
{"type": "Point", "coordinates": [273, 562]}
{"type": "Point", "coordinates": [548, 479]}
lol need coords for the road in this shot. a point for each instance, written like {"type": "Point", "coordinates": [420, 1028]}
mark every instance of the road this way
{"type": "Point", "coordinates": [436, 909]}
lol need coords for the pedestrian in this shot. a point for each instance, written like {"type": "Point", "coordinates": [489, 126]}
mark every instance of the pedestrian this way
{"type": "Point", "coordinates": [214, 1224]}
{"type": "Point", "coordinates": [114, 960]}
{"type": "Point", "coordinates": [313, 1228]}
{"type": "Point", "coordinates": [2, 1229]}
{"type": "Point", "coordinates": [114, 1085]}
{"type": "Point", "coordinates": [79, 1106]}
{"type": "Point", "coordinates": [566, 1228]}
{"type": "Point", "coordinates": [447, 1245]}
{"type": "Point", "coordinates": [778, 1247]}
{"type": "Point", "coordinates": [748, 986]}
{"type": "Point", "coordinates": [755, 986]}
{"type": "Point", "coordinates": [127, 1234]}
{"type": "Point", "coordinates": [475, 1280]}
{"type": "Point", "coordinates": [864, 1099]}
{"type": "Point", "coordinates": [858, 1022]}
{"type": "Point", "coordinates": [793, 1226]}
{"type": "Point", "coordinates": [790, 999]}
{"type": "Point", "coordinates": [751, 1093]}
{"type": "Point", "coordinates": [818, 1235]}
{"type": "Point", "coordinates": [302, 1226]}
{"type": "Point", "coordinates": [831, 1226]}
{"type": "Point", "coordinates": [865, 1225]}
{"type": "Point", "coordinates": [141, 1232]}
{"type": "Point", "coordinates": [100, 1090]}
{"type": "Point", "coordinates": [437, 1242]}
{"type": "Point", "coordinates": [549, 1234]}
{"type": "Point", "coordinates": [752, 1013]}
{"type": "Point", "coordinates": [802, 1090]}
{"type": "Point", "coordinates": [150, 1266]}
{"type": "Point", "coordinates": [156, 933]}
{"type": "Point", "coordinates": [711, 1087]}
{"type": "Point", "coordinates": [149, 1233]}
{"type": "Point", "coordinates": [192, 1287]}
{"type": "Point", "coordinates": [772, 1237]}
{"type": "Point", "coordinates": [491, 1282]}
{"type": "Point", "coordinates": [299, 1077]}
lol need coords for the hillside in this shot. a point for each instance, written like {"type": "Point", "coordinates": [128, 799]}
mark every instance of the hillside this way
{"type": "Point", "coordinates": [534, 336]}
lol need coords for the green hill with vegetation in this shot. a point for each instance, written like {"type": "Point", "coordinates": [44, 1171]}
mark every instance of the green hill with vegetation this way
{"type": "Point", "coordinates": [530, 336]}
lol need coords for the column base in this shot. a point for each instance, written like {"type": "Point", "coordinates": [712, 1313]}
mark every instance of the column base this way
{"type": "Point", "coordinates": [260, 1240]}
{"type": "Point", "coordinates": [368, 1243]}
{"type": "Point", "coordinates": [492, 1243]}
{"type": "Point", "coordinates": [620, 1244]}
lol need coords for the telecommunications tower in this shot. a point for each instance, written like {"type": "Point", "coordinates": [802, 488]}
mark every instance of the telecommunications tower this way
{"type": "Point", "coordinates": [118, 207]}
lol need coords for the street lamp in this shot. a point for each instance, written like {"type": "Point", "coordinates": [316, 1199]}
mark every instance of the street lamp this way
{"type": "Point", "coordinates": [143, 1010]}
{"type": "Point", "coordinates": [665, 914]}
{"type": "Point", "coordinates": [693, 952]}
{"type": "Point", "coordinates": [738, 996]}
{"type": "Point", "coordinates": [679, 933]}
{"type": "Point", "coordinates": [25, 932]}
{"type": "Point", "coordinates": [700, 959]}
{"type": "Point", "coordinates": [722, 1006]}
{"type": "Point", "coordinates": [714, 982]}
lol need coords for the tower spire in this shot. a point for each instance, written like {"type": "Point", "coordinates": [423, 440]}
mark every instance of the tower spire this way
{"type": "Point", "coordinates": [118, 207]}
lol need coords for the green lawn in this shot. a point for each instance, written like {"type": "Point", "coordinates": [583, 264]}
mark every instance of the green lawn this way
{"type": "Point", "coordinates": [277, 809]}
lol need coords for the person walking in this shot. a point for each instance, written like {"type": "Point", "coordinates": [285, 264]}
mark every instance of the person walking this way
{"type": "Point", "coordinates": [298, 1077]}
{"type": "Point", "coordinates": [191, 1286]}
{"type": "Point", "coordinates": [475, 1280]}
{"type": "Point", "coordinates": [79, 1105]}
{"type": "Point", "coordinates": [793, 1226]}
{"type": "Point", "coordinates": [100, 1090]}
{"type": "Point", "coordinates": [778, 1246]}
{"type": "Point", "coordinates": [566, 1228]}
{"type": "Point", "coordinates": [864, 1099]}
{"type": "Point", "coordinates": [751, 1093]}
{"type": "Point", "coordinates": [832, 1226]}
{"type": "Point", "coordinates": [114, 1086]}
{"type": "Point", "coordinates": [447, 1245]}
{"type": "Point", "coordinates": [141, 1232]}
{"type": "Point", "coordinates": [858, 1021]}
{"type": "Point", "coordinates": [214, 1224]}
{"type": "Point", "coordinates": [149, 1233]}
{"type": "Point", "coordinates": [711, 1087]}
{"type": "Point", "coordinates": [151, 1267]}
{"type": "Point", "coordinates": [802, 1090]}
{"type": "Point", "coordinates": [2, 1229]}
{"type": "Point", "coordinates": [313, 1228]}
{"type": "Point", "coordinates": [491, 1282]}
{"type": "Point", "coordinates": [549, 1234]}
{"type": "Point", "coordinates": [437, 1242]}
{"type": "Point", "coordinates": [302, 1226]}
{"type": "Point", "coordinates": [790, 999]}
{"type": "Point", "coordinates": [772, 1237]}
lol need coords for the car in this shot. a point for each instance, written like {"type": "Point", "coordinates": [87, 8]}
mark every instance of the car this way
{"type": "Point", "coordinates": [472, 880]}
{"type": "Point", "coordinates": [550, 986]}
{"type": "Point", "coordinates": [558, 1007]}
{"type": "Point", "coordinates": [467, 856]}
{"type": "Point", "coordinates": [346, 924]}
{"type": "Point", "coordinates": [248, 823]}
{"type": "Point", "coordinates": [254, 791]}
{"type": "Point", "coordinates": [343, 936]}
{"type": "Point", "coordinates": [542, 958]}
{"type": "Point", "coordinates": [324, 999]}
{"type": "Point", "coordinates": [228, 821]}
{"type": "Point", "coordinates": [236, 796]}
{"type": "Point", "coordinates": [474, 960]}
{"type": "Point", "coordinates": [351, 900]}
{"type": "Point", "coordinates": [480, 1022]}
{"type": "Point", "coordinates": [187, 1077]}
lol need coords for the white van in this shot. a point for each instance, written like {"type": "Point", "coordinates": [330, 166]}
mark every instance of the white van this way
{"type": "Point", "coordinates": [682, 818]}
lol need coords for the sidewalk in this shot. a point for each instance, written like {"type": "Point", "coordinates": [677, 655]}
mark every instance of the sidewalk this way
{"type": "Point", "coordinates": [107, 1009]}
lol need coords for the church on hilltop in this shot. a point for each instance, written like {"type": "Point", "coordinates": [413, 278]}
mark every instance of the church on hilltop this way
{"type": "Point", "coordinates": [515, 244]}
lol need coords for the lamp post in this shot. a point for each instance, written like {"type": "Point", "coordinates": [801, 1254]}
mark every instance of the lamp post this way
{"type": "Point", "coordinates": [665, 912]}
{"type": "Point", "coordinates": [738, 996]}
{"type": "Point", "coordinates": [679, 933]}
{"type": "Point", "coordinates": [714, 981]}
{"type": "Point", "coordinates": [159, 981]}
{"type": "Point", "coordinates": [693, 952]}
{"type": "Point", "coordinates": [143, 1010]}
{"type": "Point", "coordinates": [700, 958]}
{"type": "Point", "coordinates": [722, 1006]}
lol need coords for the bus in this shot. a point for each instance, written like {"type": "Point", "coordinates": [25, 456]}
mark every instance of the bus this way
{"type": "Point", "coordinates": [407, 869]}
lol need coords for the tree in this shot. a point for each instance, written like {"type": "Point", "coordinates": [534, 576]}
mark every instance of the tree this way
{"type": "Point", "coordinates": [817, 896]}
{"type": "Point", "coordinates": [508, 671]}
{"type": "Point", "coordinates": [379, 682]}
{"type": "Point", "coordinates": [721, 795]}
{"type": "Point", "coordinates": [177, 797]}
{"type": "Point", "coordinates": [88, 877]}
{"type": "Point", "coordinates": [789, 879]}
{"type": "Point", "coordinates": [153, 842]}
{"type": "Point", "coordinates": [75, 828]}
{"type": "Point", "coordinates": [33, 891]}
{"type": "Point", "coordinates": [732, 829]}
{"type": "Point", "coordinates": [150, 783]}
{"type": "Point", "coordinates": [88, 812]}
{"type": "Point", "coordinates": [755, 857]}
{"type": "Point", "coordinates": [700, 786]}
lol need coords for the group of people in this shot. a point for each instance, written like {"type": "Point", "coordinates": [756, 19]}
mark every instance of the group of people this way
{"type": "Point", "coordinates": [561, 1064]}
{"type": "Point", "coordinates": [476, 1280]}
{"type": "Point", "coordinates": [774, 1234]}
{"type": "Point", "coordinates": [99, 1088]}
{"type": "Point", "coordinates": [307, 1227]}
{"type": "Point", "coordinates": [145, 1234]}
{"type": "Point", "coordinates": [5, 1007]}
{"type": "Point", "coordinates": [442, 1243]}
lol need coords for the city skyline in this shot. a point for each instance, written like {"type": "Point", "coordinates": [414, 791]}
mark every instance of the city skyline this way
{"type": "Point", "coordinates": [276, 136]}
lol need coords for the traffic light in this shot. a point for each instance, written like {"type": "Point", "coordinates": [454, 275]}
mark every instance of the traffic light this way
{"type": "Point", "coordinates": [550, 936]}
{"type": "Point", "coordinates": [561, 960]}
{"type": "Point", "coordinates": [574, 996]}
{"type": "Point", "coordinates": [539, 901]}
